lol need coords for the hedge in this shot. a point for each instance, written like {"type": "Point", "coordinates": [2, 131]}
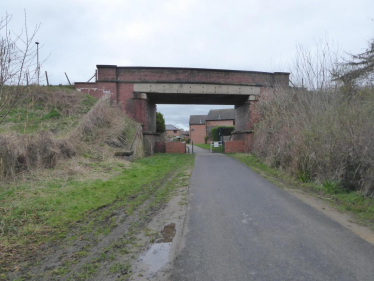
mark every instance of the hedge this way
{"type": "Point", "coordinates": [221, 131]}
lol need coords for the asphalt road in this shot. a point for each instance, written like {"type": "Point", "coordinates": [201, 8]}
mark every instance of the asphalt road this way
{"type": "Point", "coordinates": [242, 227]}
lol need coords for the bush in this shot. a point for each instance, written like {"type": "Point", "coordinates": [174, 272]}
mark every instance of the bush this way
{"type": "Point", "coordinates": [160, 123]}
{"type": "Point", "coordinates": [206, 139]}
{"type": "Point", "coordinates": [320, 132]}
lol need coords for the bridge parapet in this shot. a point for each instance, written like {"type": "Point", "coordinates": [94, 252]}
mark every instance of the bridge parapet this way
{"type": "Point", "coordinates": [190, 75]}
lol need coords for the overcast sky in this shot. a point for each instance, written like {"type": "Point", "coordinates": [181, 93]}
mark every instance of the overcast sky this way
{"type": "Point", "coordinates": [258, 35]}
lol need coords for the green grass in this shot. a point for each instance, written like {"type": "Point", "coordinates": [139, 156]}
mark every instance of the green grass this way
{"type": "Point", "coordinates": [53, 114]}
{"type": "Point", "coordinates": [360, 206]}
{"type": "Point", "coordinates": [207, 146]}
{"type": "Point", "coordinates": [47, 210]}
{"type": "Point", "coordinates": [30, 116]}
{"type": "Point", "coordinates": [117, 268]}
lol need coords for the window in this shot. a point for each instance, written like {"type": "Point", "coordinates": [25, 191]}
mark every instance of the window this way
{"type": "Point", "coordinates": [192, 130]}
{"type": "Point", "coordinates": [175, 131]}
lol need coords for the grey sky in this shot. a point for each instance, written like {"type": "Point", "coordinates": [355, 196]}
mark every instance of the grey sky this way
{"type": "Point", "coordinates": [256, 35]}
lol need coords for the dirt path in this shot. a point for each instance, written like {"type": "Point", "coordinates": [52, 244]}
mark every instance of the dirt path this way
{"type": "Point", "coordinates": [156, 260]}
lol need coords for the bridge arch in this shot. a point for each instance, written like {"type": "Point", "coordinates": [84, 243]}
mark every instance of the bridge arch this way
{"type": "Point", "coordinates": [137, 90]}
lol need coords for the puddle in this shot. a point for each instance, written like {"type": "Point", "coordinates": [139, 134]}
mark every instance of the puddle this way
{"type": "Point", "coordinates": [158, 255]}
{"type": "Point", "coordinates": [168, 233]}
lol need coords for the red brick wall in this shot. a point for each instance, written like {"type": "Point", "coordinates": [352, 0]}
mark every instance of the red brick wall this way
{"type": "Point", "coordinates": [107, 73]}
{"type": "Point", "coordinates": [175, 147]}
{"type": "Point", "coordinates": [160, 147]}
{"type": "Point", "coordinates": [234, 146]}
{"type": "Point", "coordinates": [97, 89]}
{"type": "Point", "coordinates": [197, 133]}
{"type": "Point", "coordinates": [125, 94]}
{"type": "Point", "coordinates": [139, 112]}
{"type": "Point", "coordinates": [246, 137]}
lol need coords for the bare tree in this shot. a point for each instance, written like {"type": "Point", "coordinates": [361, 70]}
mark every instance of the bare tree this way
{"type": "Point", "coordinates": [313, 68]}
{"type": "Point", "coordinates": [18, 68]}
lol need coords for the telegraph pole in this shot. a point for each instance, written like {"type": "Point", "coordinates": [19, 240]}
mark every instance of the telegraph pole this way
{"type": "Point", "coordinates": [37, 59]}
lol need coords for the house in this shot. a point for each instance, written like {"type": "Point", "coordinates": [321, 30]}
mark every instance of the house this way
{"type": "Point", "coordinates": [185, 134]}
{"type": "Point", "coordinates": [219, 117]}
{"type": "Point", "coordinates": [201, 125]}
{"type": "Point", "coordinates": [197, 128]}
{"type": "Point", "coordinates": [172, 131]}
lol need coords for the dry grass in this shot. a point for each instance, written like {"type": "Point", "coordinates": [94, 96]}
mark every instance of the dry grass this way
{"type": "Point", "coordinates": [101, 132]}
{"type": "Point", "coordinates": [321, 129]}
{"type": "Point", "coordinates": [20, 153]}
{"type": "Point", "coordinates": [324, 136]}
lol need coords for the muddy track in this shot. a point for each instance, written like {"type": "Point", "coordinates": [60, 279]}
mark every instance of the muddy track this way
{"type": "Point", "coordinates": [104, 249]}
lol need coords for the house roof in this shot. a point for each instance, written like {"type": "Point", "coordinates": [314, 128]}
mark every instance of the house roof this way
{"type": "Point", "coordinates": [185, 133]}
{"type": "Point", "coordinates": [221, 114]}
{"type": "Point", "coordinates": [197, 119]}
{"type": "Point", "coordinates": [170, 128]}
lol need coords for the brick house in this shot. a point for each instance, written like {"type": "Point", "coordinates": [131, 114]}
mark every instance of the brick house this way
{"type": "Point", "coordinates": [172, 131]}
{"type": "Point", "coordinates": [219, 117]}
{"type": "Point", "coordinates": [197, 128]}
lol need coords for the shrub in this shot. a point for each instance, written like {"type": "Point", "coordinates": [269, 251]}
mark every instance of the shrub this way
{"type": "Point", "coordinates": [160, 123]}
{"type": "Point", "coordinates": [320, 130]}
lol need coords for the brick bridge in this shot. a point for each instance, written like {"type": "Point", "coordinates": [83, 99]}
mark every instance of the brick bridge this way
{"type": "Point", "coordinates": [137, 90]}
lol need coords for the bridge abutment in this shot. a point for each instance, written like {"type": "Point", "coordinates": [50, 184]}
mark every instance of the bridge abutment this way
{"type": "Point", "coordinates": [245, 118]}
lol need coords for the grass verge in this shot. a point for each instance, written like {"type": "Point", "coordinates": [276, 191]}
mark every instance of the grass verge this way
{"type": "Point", "coordinates": [361, 207]}
{"type": "Point", "coordinates": [46, 209]}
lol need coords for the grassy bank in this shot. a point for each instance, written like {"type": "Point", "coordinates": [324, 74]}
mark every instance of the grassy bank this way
{"type": "Point", "coordinates": [46, 207]}
{"type": "Point", "coordinates": [41, 108]}
{"type": "Point", "coordinates": [362, 207]}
